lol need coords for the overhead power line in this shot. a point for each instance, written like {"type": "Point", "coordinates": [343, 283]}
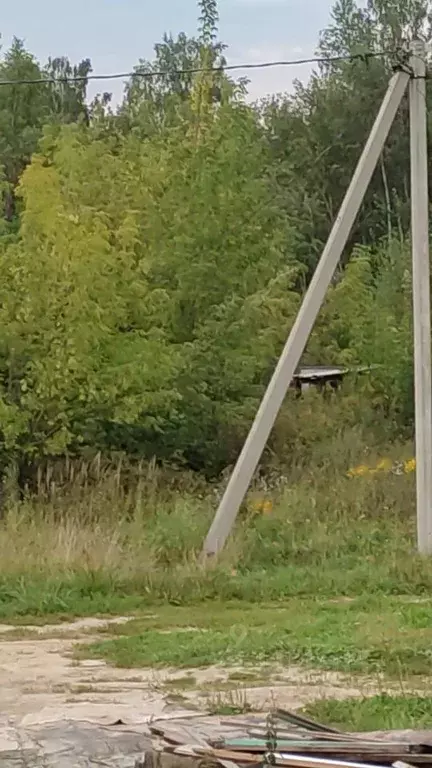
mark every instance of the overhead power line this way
{"type": "Point", "coordinates": [137, 73]}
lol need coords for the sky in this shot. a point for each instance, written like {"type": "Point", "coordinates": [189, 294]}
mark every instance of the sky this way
{"type": "Point", "coordinates": [115, 34]}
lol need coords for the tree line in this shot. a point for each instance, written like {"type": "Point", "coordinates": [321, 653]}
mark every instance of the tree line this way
{"type": "Point", "coordinates": [153, 255]}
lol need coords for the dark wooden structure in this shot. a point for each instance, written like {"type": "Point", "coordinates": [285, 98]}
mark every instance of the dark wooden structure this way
{"type": "Point", "coordinates": [322, 375]}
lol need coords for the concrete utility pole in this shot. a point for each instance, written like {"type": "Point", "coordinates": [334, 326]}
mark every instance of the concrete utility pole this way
{"type": "Point", "coordinates": [421, 297]}
{"type": "Point", "coordinates": [288, 362]}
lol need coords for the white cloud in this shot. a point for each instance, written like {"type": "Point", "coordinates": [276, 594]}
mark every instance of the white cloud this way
{"type": "Point", "coordinates": [272, 80]}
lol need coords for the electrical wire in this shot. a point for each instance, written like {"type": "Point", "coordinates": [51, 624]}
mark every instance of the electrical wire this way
{"type": "Point", "coordinates": [197, 70]}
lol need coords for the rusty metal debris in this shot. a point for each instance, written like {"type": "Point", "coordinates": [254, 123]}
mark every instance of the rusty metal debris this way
{"type": "Point", "coordinates": [294, 742]}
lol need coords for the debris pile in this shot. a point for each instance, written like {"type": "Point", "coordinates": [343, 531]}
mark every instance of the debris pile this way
{"type": "Point", "coordinates": [287, 739]}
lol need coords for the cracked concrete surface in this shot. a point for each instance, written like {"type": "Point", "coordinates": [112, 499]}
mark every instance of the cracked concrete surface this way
{"type": "Point", "coordinates": [56, 711]}
{"type": "Point", "coordinates": [41, 683]}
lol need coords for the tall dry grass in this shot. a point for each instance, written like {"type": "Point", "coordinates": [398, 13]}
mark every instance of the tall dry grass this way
{"type": "Point", "coordinates": [102, 535]}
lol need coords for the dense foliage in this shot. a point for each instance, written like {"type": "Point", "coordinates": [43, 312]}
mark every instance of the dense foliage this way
{"type": "Point", "coordinates": [153, 256]}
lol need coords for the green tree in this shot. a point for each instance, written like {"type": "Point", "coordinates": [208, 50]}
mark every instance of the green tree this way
{"type": "Point", "coordinates": [161, 98]}
{"type": "Point", "coordinates": [25, 108]}
{"type": "Point", "coordinates": [318, 134]}
{"type": "Point", "coordinates": [162, 250]}
{"type": "Point", "coordinates": [148, 293]}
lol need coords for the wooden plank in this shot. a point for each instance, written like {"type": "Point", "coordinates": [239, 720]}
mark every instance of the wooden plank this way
{"type": "Point", "coordinates": [348, 738]}
{"type": "Point", "coordinates": [304, 722]}
{"type": "Point", "coordinates": [253, 745]}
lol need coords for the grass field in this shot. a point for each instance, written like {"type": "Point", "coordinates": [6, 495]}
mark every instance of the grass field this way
{"type": "Point", "coordinates": [371, 635]}
{"type": "Point", "coordinates": [90, 549]}
{"type": "Point", "coordinates": [323, 575]}
{"type": "Point", "coordinates": [326, 536]}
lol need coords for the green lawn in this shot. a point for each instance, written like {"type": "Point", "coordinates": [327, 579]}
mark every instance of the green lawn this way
{"type": "Point", "coordinates": [381, 712]}
{"type": "Point", "coordinates": [373, 635]}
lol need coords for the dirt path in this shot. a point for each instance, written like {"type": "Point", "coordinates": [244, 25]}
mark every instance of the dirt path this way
{"type": "Point", "coordinates": [41, 683]}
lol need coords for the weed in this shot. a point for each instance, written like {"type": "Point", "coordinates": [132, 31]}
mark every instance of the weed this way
{"type": "Point", "coordinates": [225, 703]}
{"type": "Point", "coordinates": [98, 549]}
{"type": "Point", "coordinates": [381, 712]}
{"type": "Point", "coordinates": [103, 539]}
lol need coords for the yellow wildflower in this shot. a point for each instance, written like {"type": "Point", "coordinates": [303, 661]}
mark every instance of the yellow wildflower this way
{"type": "Point", "coordinates": [410, 465]}
{"type": "Point", "coordinates": [384, 465]}
{"type": "Point", "coordinates": [267, 507]}
{"type": "Point", "coordinates": [261, 506]}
